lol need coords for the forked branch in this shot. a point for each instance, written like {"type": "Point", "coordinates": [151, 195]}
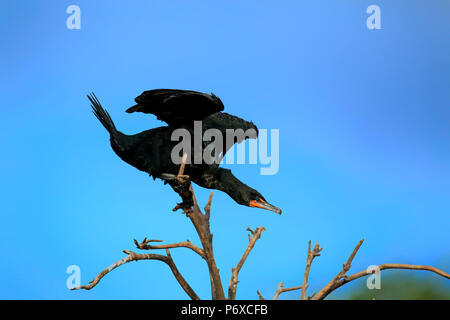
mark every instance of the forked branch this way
{"type": "Point", "coordinates": [255, 235]}
{"type": "Point", "coordinates": [309, 259]}
{"type": "Point", "coordinates": [281, 289]}
{"type": "Point", "coordinates": [144, 245]}
{"type": "Point", "coordinates": [131, 256]}
{"type": "Point", "coordinates": [202, 226]}
{"type": "Point", "coordinates": [341, 278]}
{"type": "Point", "coordinates": [201, 223]}
{"type": "Point", "coordinates": [342, 274]}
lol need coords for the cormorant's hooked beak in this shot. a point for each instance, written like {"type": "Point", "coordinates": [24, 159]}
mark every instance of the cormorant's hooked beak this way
{"type": "Point", "coordinates": [261, 203]}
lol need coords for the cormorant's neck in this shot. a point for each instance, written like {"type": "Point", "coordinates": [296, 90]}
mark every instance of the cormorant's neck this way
{"type": "Point", "coordinates": [223, 180]}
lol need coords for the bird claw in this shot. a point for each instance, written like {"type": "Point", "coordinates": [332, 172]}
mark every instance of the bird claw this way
{"type": "Point", "coordinates": [186, 207]}
{"type": "Point", "coordinates": [181, 179]}
{"type": "Point", "coordinates": [168, 176]}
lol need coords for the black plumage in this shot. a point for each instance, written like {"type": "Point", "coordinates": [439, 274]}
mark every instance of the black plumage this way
{"type": "Point", "coordinates": [150, 151]}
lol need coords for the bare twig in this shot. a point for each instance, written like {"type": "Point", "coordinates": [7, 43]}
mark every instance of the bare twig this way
{"type": "Point", "coordinates": [144, 245]}
{"type": "Point", "coordinates": [342, 274]}
{"type": "Point", "coordinates": [260, 295]}
{"type": "Point", "coordinates": [208, 206]}
{"type": "Point", "coordinates": [235, 271]}
{"type": "Point", "coordinates": [131, 256]}
{"type": "Point", "coordinates": [309, 259]}
{"type": "Point", "coordinates": [281, 289]}
{"type": "Point", "coordinates": [183, 163]}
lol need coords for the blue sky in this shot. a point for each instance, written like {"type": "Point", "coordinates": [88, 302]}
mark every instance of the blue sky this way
{"type": "Point", "coordinates": [364, 124]}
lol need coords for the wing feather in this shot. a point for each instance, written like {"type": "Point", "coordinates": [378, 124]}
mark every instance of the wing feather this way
{"type": "Point", "coordinates": [234, 129]}
{"type": "Point", "coordinates": [177, 107]}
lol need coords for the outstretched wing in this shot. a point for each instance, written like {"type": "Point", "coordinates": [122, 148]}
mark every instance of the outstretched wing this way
{"type": "Point", "coordinates": [233, 129]}
{"type": "Point", "coordinates": [177, 107]}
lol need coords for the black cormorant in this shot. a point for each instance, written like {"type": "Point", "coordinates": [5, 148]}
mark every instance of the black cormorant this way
{"type": "Point", "coordinates": [150, 151]}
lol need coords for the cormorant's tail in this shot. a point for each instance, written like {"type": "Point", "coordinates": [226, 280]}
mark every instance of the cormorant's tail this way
{"type": "Point", "coordinates": [101, 114]}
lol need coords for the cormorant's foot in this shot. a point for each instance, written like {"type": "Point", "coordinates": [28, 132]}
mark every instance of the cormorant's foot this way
{"type": "Point", "coordinates": [185, 206]}
{"type": "Point", "coordinates": [168, 176]}
{"type": "Point", "coordinates": [182, 185]}
{"type": "Point", "coordinates": [180, 179]}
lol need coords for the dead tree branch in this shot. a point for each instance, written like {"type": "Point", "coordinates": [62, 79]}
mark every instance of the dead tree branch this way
{"type": "Point", "coordinates": [342, 274]}
{"type": "Point", "coordinates": [131, 256]}
{"type": "Point", "coordinates": [144, 245]}
{"type": "Point", "coordinates": [201, 224]}
{"type": "Point", "coordinates": [255, 235]}
{"type": "Point", "coordinates": [309, 259]}
{"type": "Point", "coordinates": [341, 278]}
{"type": "Point", "coordinates": [260, 295]}
{"type": "Point", "coordinates": [384, 266]}
{"type": "Point", "coordinates": [281, 289]}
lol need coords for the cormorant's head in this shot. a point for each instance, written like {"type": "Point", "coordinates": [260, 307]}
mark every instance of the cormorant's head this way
{"type": "Point", "coordinates": [263, 204]}
{"type": "Point", "coordinates": [252, 198]}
